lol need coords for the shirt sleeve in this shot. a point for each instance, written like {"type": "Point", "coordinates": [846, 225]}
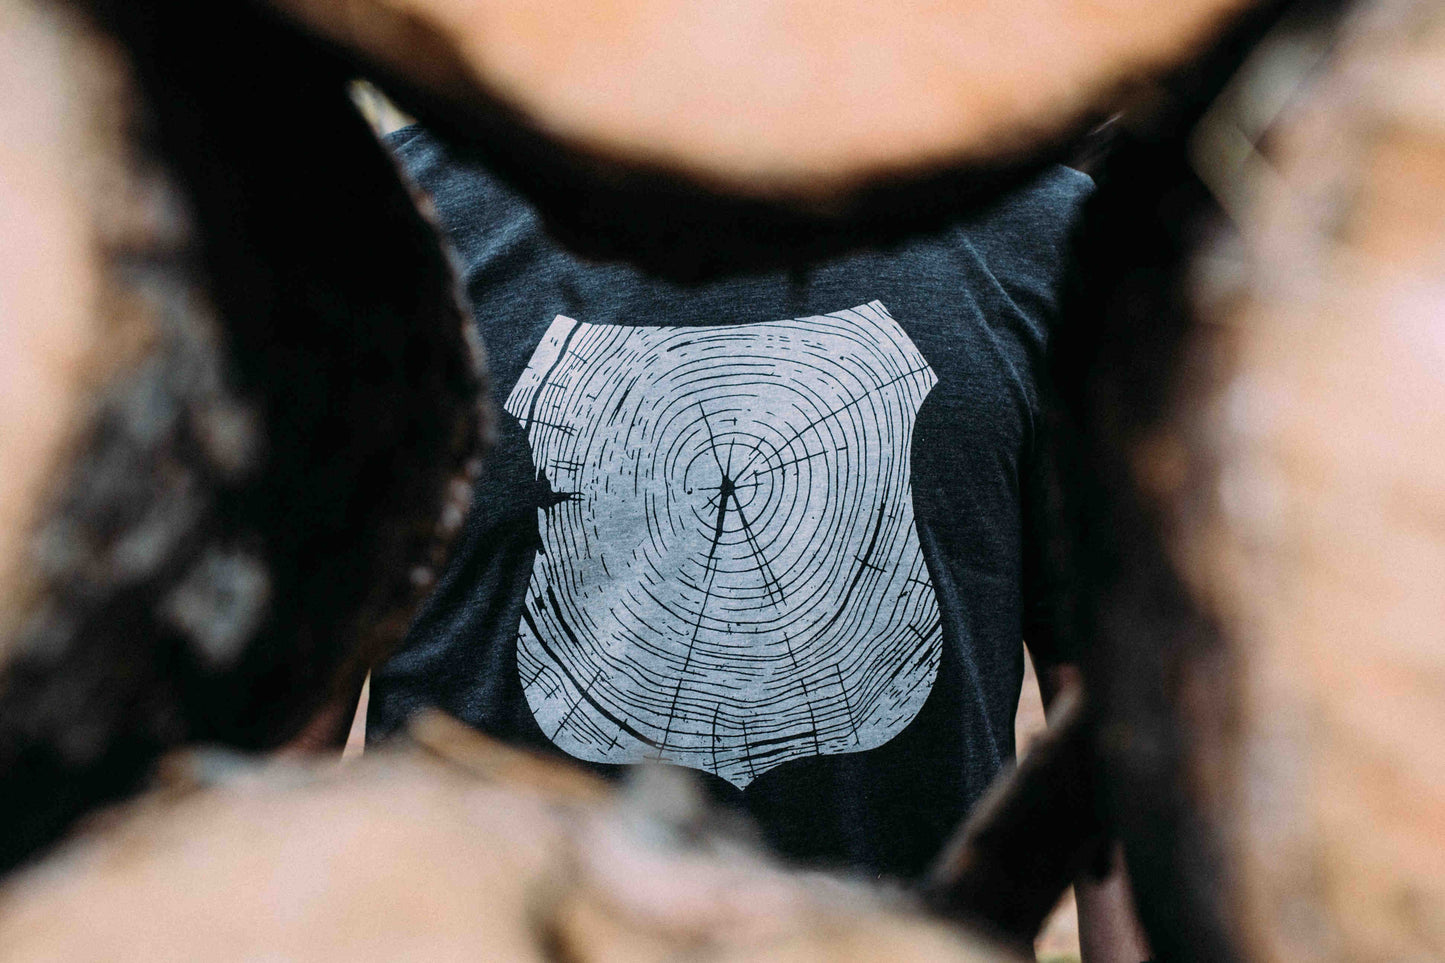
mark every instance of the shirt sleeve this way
{"type": "Point", "coordinates": [1049, 590]}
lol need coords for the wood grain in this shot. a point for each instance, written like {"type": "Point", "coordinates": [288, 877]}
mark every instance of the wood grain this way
{"type": "Point", "coordinates": [1322, 551]}
{"type": "Point", "coordinates": [405, 855]}
{"type": "Point", "coordinates": [241, 428]}
{"type": "Point", "coordinates": [784, 99]}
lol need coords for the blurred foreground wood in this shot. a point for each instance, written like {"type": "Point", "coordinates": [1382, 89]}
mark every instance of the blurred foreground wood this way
{"type": "Point", "coordinates": [1058, 941]}
{"type": "Point", "coordinates": [777, 98]}
{"type": "Point", "coordinates": [1320, 546]}
{"type": "Point", "coordinates": [455, 849]}
{"type": "Point", "coordinates": [69, 198]}
{"type": "Point", "coordinates": [239, 413]}
{"type": "Point", "coordinates": [1264, 402]}
{"type": "Point", "coordinates": [705, 139]}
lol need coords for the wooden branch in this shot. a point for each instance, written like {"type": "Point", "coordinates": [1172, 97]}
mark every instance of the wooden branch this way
{"type": "Point", "coordinates": [1311, 524]}
{"type": "Point", "coordinates": [1027, 840]}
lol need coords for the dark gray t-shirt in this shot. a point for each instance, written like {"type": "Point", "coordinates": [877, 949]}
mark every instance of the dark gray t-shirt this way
{"type": "Point", "coordinates": [769, 528]}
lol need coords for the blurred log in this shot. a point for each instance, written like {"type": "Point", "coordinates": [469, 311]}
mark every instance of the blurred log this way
{"type": "Point", "coordinates": [1320, 549]}
{"type": "Point", "coordinates": [58, 140]}
{"type": "Point", "coordinates": [244, 408]}
{"type": "Point", "coordinates": [406, 855]}
{"type": "Point", "coordinates": [1257, 368]}
{"type": "Point", "coordinates": [777, 98]}
{"type": "Point", "coordinates": [761, 131]}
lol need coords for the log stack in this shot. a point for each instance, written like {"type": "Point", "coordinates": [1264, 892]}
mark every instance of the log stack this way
{"type": "Point", "coordinates": [239, 418]}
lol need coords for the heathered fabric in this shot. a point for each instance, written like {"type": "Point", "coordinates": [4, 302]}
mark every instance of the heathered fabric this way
{"type": "Point", "coordinates": [699, 490]}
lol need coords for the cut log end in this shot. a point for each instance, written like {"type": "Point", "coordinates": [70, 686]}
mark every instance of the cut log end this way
{"type": "Point", "coordinates": [774, 99]}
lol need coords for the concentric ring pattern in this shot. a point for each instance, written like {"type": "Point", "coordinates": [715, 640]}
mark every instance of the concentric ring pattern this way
{"type": "Point", "coordinates": [729, 575]}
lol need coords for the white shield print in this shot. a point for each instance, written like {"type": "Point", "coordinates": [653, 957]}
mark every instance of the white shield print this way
{"type": "Point", "coordinates": [729, 575]}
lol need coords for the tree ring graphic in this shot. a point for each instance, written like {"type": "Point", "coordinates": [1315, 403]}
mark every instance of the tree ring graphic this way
{"type": "Point", "coordinates": [729, 574]}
